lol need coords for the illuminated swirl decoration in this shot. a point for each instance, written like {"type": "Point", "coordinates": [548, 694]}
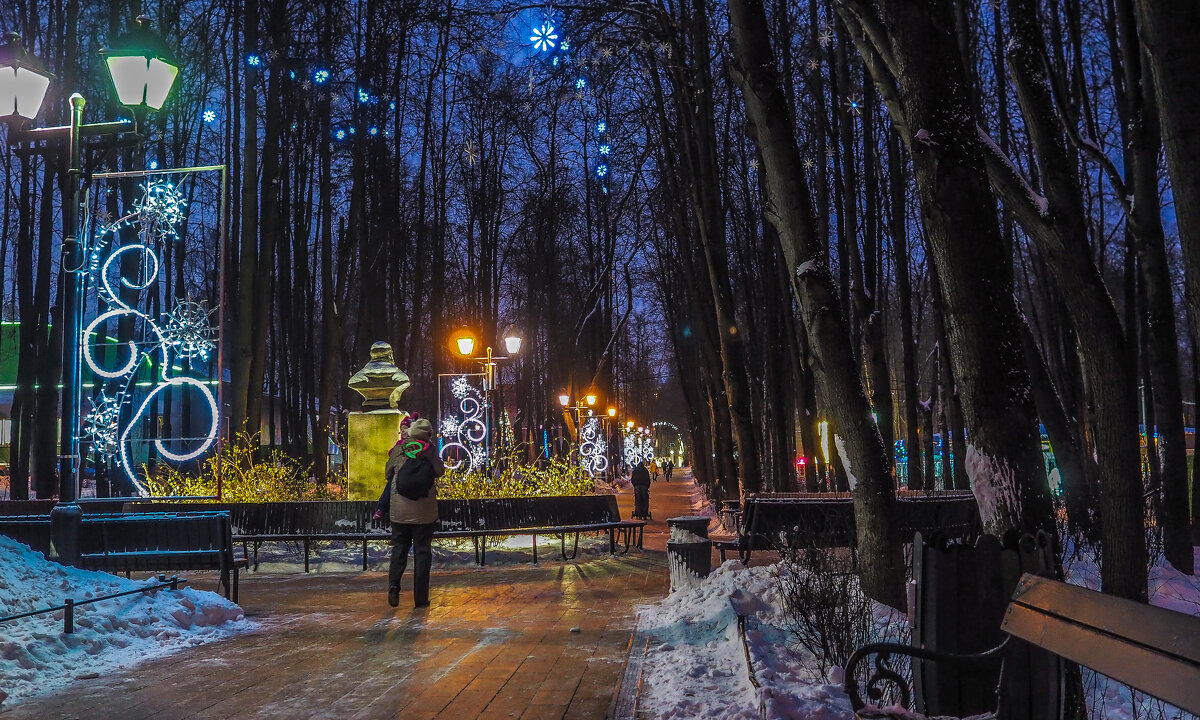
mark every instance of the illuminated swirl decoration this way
{"type": "Point", "coordinates": [183, 334]}
{"type": "Point", "coordinates": [465, 434]}
{"type": "Point", "coordinates": [593, 450]}
{"type": "Point", "coordinates": [637, 449]}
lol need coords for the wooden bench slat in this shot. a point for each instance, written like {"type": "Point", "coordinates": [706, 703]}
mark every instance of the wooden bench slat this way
{"type": "Point", "coordinates": [1152, 672]}
{"type": "Point", "coordinates": [1172, 633]}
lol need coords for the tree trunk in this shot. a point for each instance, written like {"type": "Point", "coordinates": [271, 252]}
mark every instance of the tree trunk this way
{"type": "Point", "coordinates": [913, 58]}
{"type": "Point", "coordinates": [839, 390]}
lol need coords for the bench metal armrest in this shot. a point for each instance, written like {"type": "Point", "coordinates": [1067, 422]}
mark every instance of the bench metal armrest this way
{"type": "Point", "coordinates": [883, 672]}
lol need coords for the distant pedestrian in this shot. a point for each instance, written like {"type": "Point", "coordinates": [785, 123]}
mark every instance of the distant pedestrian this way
{"type": "Point", "coordinates": [668, 468]}
{"type": "Point", "coordinates": [410, 500]}
{"type": "Point", "coordinates": [640, 479]}
{"type": "Point", "coordinates": [653, 470]}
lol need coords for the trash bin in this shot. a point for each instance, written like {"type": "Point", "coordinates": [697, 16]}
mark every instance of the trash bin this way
{"type": "Point", "coordinates": [689, 551]}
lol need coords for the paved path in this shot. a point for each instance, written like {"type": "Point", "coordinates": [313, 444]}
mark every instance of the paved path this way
{"type": "Point", "coordinates": [497, 643]}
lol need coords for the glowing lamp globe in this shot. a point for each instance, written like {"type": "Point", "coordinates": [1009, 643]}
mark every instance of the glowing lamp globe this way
{"type": "Point", "coordinates": [564, 400]}
{"type": "Point", "coordinates": [513, 339]}
{"type": "Point", "coordinates": [591, 398]}
{"type": "Point", "coordinates": [463, 342]}
{"type": "Point", "coordinates": [23, 81]}
{"type": "Point", "coordinates": [612, 412]}
{"type": "Point", "coordinates": [142, 69]}
{"type": "Point", "coordinates": [629, 424]}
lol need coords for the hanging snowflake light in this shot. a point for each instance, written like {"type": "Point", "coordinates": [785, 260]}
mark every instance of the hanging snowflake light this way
{"type": "Point", "coordinates": [602, 170]}
{"type": "Point", "coordinates": [814, 64]}
{"type": "Point", "coordinates": [188, 330]}
{"type": "Point", "coordinates": [544, 38]}
{"type": "Point", "coordinates": [601, 127]}
{"type": "Point", "coordinates": [209, 116]}
{"type": "Point", "coordinates": [825, 37]}
{"type": "Point", "coordinates": [580, 83]}
{"type": "Point", "coordinates": [606, 149]}
{"type": "Point", "coordinates": [321, 76]}
{"type": "Point", "coordinates": [470, 153]}
{"type": "Point", "coordinates": [364, 96]}
{"type": "Point", "coordinates": [854, 104]}
{"type": "Point", "coordinates": [253, 60]}
{"type": "Point", "coordinates": [161, 209]}
{"type": "Point", "coordinates": [102, 424]}
{"type": "Point", "coordinates": [460, 387]}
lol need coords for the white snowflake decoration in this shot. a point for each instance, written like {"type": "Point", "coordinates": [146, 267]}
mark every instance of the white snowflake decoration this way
{"type": "Point", "coordinates": [188, 330]}
{"type": "Point", "coordinates": [826, 36]}
{"type": "Point", "coordinates": [161, 210]}
{"type": "Point", "coordinates": [460, 387]}
{"type": "Point", "coordinates": [102, 424]}
{"type": "Point", "coordinates": [544, 38]}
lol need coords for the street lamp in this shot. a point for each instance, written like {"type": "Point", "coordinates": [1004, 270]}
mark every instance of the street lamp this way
{"type": "Point", "coordinates": [143, 75]}
{"type": "Point", "coordinates": [463, 342]}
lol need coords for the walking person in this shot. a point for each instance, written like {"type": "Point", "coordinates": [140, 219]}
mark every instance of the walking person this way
{"type": "Point", "coordinates": [409, 499]}
{"type": "Point", "coordinates": [640, 479]}
{"type": "Point", "coordinates": [668, 468]}
{"type": "Point", "coordinates": [653, 470]}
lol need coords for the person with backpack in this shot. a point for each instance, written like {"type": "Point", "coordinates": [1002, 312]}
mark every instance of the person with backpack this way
{"type": "Point", "coordinates": [409, 500]}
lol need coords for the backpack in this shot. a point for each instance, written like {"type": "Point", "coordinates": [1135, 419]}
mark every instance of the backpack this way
{"type": "Point", "coordinates": [414, 479]}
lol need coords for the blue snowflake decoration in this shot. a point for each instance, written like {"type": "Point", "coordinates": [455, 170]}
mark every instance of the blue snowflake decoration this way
{"type": "Point", "coordinates": [364, 96]}
{"type": "Point", "coordinates": [580, 83]}
{"type": "Point", "coordinates": [339, 134]}
{"type": "Point", "coordinates": [253, 60]}
{"type": "Point", "coordinates": [210, 116]}
{"type": "Point", "coordinates": [606, 149]}
{"type": "Point", "coordinates": [601, 127]}
{"type": "Point", "coordinates": [321, 76]}
{"type": "Point", "coordinates": [602, 170]}
{"type": "Point", "coordinates": [543, 38]}
{"type": "Point", "coordinates": [565, 46]}
{"type": "Point", "coordinates": [372, 131]}
{"type": "Point", "coordinates": [153, 165]}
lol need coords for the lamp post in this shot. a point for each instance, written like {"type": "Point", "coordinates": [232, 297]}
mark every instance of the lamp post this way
{"type": "Point", "coordinates": [142, 74]}
{"type": "Point", "coordinates": [463, 342]}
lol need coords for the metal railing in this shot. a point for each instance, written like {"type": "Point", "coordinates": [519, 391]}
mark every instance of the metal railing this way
{"type": "Point", "coordinates": [69, 605]}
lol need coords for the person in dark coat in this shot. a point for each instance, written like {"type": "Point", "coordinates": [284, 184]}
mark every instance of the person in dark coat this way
{"type": "Point", "coordinates": [640, 479]}
{"type": "Point", "coordinates": [413, 520]}
{"type": "Point", "coordinates": [668, 468]}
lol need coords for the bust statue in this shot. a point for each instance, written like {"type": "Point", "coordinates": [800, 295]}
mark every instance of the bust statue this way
{"type": "Point", "coordinates": [380, 382]}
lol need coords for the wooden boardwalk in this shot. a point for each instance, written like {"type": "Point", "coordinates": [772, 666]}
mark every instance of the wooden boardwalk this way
{"type": "Point", "coordinates": [498, 642]}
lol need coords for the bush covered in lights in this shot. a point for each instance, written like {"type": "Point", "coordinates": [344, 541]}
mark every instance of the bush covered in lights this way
{"type": "Point", "coordinates": [245, 477]}
{"type": "Point", "coordinates": [558, 476]}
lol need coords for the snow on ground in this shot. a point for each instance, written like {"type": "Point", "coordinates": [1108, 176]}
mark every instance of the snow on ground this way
{"type": "Point", "coordinates": [37, 656]}
{"type": "Point", "coordinates": [695, 666]}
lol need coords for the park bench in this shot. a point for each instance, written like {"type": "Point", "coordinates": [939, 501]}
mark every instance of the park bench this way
{"type": "Point", "coordinates": [351, 521]}
{"type": "Point", "coordinates": [974, 655]}
{"type": "Point", "coordinates": [144, 542]}
{"type": "Point", "coordinates": [558, 516]}
{"type": "Point", "coordinates": [772, 521]}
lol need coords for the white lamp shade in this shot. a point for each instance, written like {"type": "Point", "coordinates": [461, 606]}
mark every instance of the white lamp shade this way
{"type": "Point", "coordinates": [21, 91]}
{"type": "Point", "coordinates": [466, 345]}
{"type": "Point", "coordinates": [140, 80]}
{"type": "Point", "coordinates": [512, 343]}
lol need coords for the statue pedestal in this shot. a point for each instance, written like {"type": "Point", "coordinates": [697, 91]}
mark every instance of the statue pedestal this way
{"type": "Point", "coordinates": [371, 436]}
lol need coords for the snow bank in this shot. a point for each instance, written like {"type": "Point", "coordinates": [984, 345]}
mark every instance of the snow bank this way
{"type": "Point", "coordinates": [696, 667]}
{"type": "Point", "coordinates": [36, 656]}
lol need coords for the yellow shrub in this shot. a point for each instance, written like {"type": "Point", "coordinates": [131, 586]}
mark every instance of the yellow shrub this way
{"type": "Point", "coordinates": [556, 477]}
{"type": "Point", "coordinates": [244, 478]}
